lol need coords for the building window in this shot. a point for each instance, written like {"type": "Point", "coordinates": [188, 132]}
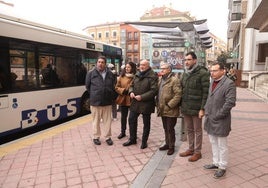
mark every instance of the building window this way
{"type": "Point", "coordinates": [129, 47]}
{"type": "Point", "coordinates": [146, 54]}
{"type": "Point", "coordinates": [136, 59]}
{"type": "Point", "coordinates": [136, 35]}
{"type": "Point", "coordinates": [262, 52]}
{"type": "Point", "coordinates": [129, 36]}
{"type": "Point", "coordinates": [107, 34]}
{"type": "Point", "coordinates": [92, 35]}
{"type": "Point", "coordinates": [166, 12]}
{"type": "Point", "coordinates": [136, 47]}
{"type": "Point", "coordinates": [114, 34]}
{"type": "Point", "coordinates": [129, 58]}
{"type": "Point", "coordinates": [99, 35]}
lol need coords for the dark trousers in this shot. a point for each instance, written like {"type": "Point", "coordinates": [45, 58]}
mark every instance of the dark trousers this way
{"type": "Point", "coordinates": [169, 124]}
{"type": "Point", "coordinates": [133, 126]}
{"type": "Point", "coordinates": [114, 110]}
{"type": "Point", "coordinates": [124, 114]}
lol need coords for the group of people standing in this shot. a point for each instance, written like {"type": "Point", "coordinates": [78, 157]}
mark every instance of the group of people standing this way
{"type": "Point", "coordinates": [138, 92]}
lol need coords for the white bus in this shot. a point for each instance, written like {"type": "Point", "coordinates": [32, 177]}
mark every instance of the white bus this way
{"type": "Point", "coordinates": [42, 73]}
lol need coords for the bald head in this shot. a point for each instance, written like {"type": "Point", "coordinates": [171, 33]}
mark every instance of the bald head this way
{"type": "Point", "coordinates": [144, 65]}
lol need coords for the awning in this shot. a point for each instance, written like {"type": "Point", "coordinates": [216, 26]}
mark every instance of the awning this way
{"type": "Point", "coordinates": [259, 19]}
{"type": "Point", "coordinates": [201, 28]}
{"type": "Point", "coordinates": [184, 26]}
{"type": "Point", "coordinates": [175, 29]}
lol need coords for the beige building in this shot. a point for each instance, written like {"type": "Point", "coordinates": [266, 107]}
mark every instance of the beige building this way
{"type": "Point", "coordinates": [118, 34]}
{"type": "Point", "coordinates": [218, 46]}
{"type": "Point", "coordinates": [108, 33]}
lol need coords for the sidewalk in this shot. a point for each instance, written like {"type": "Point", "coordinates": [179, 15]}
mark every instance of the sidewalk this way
{"type": "Point", "coordinates": [248, 151]}
{"type": "Point", "coordinates": [65, 156]}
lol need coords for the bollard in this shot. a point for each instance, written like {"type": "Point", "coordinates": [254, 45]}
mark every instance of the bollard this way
{"type": "Point", "coordinates": [183, 136]}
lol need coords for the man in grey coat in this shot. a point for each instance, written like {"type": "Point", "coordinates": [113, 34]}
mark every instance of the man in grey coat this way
{"type": "Point", "coordinates": [220, 101]}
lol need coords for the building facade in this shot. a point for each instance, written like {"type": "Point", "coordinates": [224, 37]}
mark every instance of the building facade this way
{"type": "Point", "coordinates": [218, 46]}
{"type": "Point", "coordinates": [248, 38]}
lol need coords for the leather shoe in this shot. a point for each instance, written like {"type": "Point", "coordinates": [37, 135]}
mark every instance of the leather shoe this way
{"type": "Point", "coordinates": [195, 157]}
{"type": "Point", "coordinates": [210, 167]}
{"type": "Point", "coordinates": [144, 145]}
{"type": "Point", "coordinates": [170, 151]}
{"type": "Point", "coordinates": [219, 173]}
{"type": "Point", "coordinates": [122, 135]}
{"type": "Point", "coordinates": [96, 141]}
{"type": "Point", "coordinates": [129, 142]}
{"type": "Point", "coordinates": [164, 147]}
{"type": "Point", "coordinates": [109, 142]}
{"type": "Point", "coordinates": [186, 153]}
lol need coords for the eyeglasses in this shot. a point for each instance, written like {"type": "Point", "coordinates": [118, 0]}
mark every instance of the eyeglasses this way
{"type": "Point", "coordinates": [188, 59]}
{"type": "Point", "coordinates": [214, 70]}
{"type": "Point", "coordinates": [163, 68]}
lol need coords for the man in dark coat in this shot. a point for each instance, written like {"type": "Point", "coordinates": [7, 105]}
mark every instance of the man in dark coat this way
{"type": "Point", "coordinates": [100, 84]}
{"type": "Point", "coordinates": [221, 99]}
{"type": "Point", "coordinates": [142, 93]}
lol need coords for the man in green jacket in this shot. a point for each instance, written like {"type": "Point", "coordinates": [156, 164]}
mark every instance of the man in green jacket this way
{"type": "Point", "coordinates": [195, 84]}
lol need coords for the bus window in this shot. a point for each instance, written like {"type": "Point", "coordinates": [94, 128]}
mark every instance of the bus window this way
{"type": "Point", "coordinates": [3, 79]}
{"type": "Point", "coordinates": [81, 73]}
{"type": "Point", "coordinates": [22, 70]}
{"type": "Point", "coordinates": [66, 68]}
{"type": "Point", "coordinates": [49, 75]}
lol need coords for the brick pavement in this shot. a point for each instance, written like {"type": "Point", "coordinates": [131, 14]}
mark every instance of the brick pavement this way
{"type": "Point", "coordinates": [65, 156]}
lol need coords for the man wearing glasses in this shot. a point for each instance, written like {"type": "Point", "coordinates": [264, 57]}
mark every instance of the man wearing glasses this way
{"type": "Point", "coordinates": [195, 84]}
{"type": "Point", "coordinates": [221, 99]}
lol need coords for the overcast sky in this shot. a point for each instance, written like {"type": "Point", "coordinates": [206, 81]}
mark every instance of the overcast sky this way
{"type": "Point", "coordinates": [75, 15]}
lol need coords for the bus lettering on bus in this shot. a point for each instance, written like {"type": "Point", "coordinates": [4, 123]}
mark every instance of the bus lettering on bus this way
{"type": "Point", "coordinates": [33, 117]}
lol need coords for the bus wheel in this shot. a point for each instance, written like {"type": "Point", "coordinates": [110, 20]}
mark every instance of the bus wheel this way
{"type": "Point", "coordinates": [85, 106]}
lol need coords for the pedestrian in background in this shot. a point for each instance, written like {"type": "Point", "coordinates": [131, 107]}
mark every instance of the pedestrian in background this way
{"type": "Point", "coordinates": [195, 84]}
{"type": "Point", "coordinates": [142, 93]}
{"type": "Point", "coordinates": [232, 74]}
{"type": "Point", "coordinates": [168, 98]}
{"type": "Point", "coordinates": [100, 84]}
{"type": "Point", "coordinates": [221, 100]}
{"type": "Point", "coordinates": [114, 105]}
{"type": "Point", "coordinates": [122, 88]}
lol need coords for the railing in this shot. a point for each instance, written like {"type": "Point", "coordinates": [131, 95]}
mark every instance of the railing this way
{"type": "Point", "coordinates": [256, 77]}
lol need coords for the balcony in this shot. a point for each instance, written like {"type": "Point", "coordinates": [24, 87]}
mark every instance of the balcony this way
{"type": "Point", "coordinates": [132, 39]}
{"type": "Point", "coordinates": [234, 23]}
{"type": "Point", "coordinates": [259, 19]}
{"type": "Point", "coordinates": [236, 16]}
{"type": "Point", "coordinates": [132, 51]}
{"type": "Point", "coordinates": [233, 28]}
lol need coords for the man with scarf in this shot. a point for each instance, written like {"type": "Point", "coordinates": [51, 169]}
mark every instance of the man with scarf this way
{"type": "Point", "coordinates": [142, 93]}
{"type": "Point", "coordinates": [195, 84]}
